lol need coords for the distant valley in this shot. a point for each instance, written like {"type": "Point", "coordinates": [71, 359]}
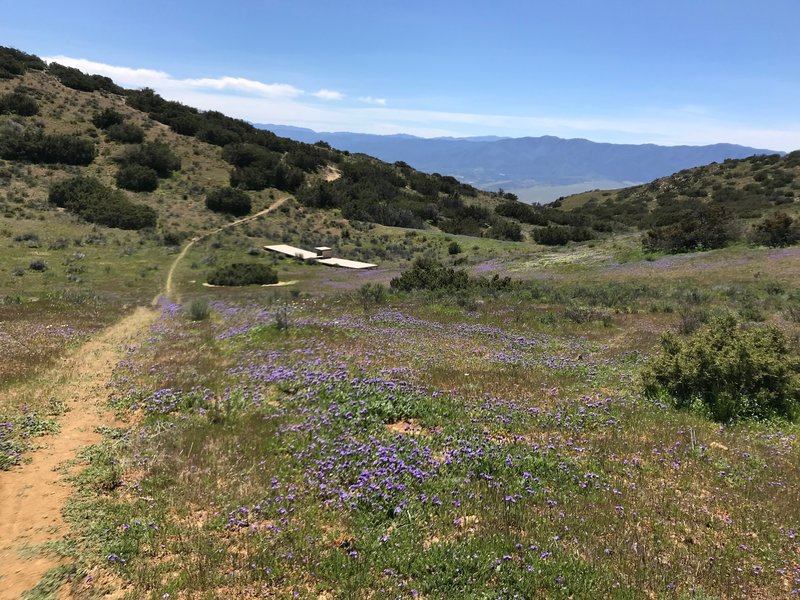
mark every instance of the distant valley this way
{"type": "Point", "coordinates": [537, 169]}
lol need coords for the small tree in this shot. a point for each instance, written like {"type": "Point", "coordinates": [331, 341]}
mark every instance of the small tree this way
{"type": "Point", "coordinates": [137, 178]}
{"type": "Point", "coordinates": [125, 133]}
{"type": "Point", "coordinates": [107, 117]}
{"type": "Point", "coordinates": [454, 248]}
{"type": "Point", "coordinates": [229, 200]}
{"type": "Point", "coordinates": [777, 230]}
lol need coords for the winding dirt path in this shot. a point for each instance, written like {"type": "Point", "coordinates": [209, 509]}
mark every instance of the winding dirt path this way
{"type": "Point", "coordinates": [33, 496]}
{"type": "Point", "coordinates": [169, 287]}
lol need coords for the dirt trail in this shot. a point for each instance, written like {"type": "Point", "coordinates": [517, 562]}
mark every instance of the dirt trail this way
{"type": "Point", "coordinates": [169, 287]}
{"type": "Point", "coordinates": [33, 496]}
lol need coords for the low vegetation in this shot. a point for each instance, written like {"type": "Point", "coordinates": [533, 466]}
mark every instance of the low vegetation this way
{"type": "Point", "coordinates": [91, 200]}
{"type": "Point", "coordinates": [733, 372]}
{"type": "Point", "coordinates": [34, 145]}
{"type": "Point", "coordinates": [236, 274]}
{"type": "Point", "coordinates": [229, 200]}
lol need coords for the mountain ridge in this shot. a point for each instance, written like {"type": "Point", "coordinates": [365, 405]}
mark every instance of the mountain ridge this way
{"type": "Point", "coordinates": [525, 161]}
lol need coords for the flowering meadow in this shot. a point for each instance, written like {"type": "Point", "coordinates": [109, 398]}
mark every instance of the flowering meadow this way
{"type": "Point", "coordinates": [310, 449]}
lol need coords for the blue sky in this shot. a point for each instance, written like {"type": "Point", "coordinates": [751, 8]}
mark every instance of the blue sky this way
{"type": "Point", "coordinates": [668, 72]}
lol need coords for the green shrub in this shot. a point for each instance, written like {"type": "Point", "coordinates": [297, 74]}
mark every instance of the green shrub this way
{"type": "Point", "coordinates": [229, 200]}
{"type": "Point", "coordinates": [371, 294]}
{"type": "Point", "coordinates": [16, 103]}
{"type": "Point", "coordinates": [198, 309]}
{"type": "Point", "coordinates": [243, 274]}
{"type": "Point", "coordinates": [17, 143]}
{"type": "Point", "coordinates": [93, 201]}
{"type": "Point", "coordinates": [38, 265]}
{"type": "Point", "coordinates": [777, 230]}
{"type": "Point", "coordinates": [155, 155]}
{"type": "Point", "coordinates": [137, 178]}
{"type": "Point", "coordinates": [429, 274]}
{"type": "Point", "coordinates": [125, 133]}
{"type": "Point", "coordinates": [107, 117]}
{"type": "Point", "coordinates": [735, 372]}
{"type": "Point", "coordinates": [454, 248]}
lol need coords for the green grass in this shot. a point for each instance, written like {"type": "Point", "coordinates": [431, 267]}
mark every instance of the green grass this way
{"type": "Point", "coordinates": [564, 499]}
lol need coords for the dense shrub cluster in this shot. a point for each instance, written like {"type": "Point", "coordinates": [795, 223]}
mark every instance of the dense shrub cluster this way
{"type": "Point", "coordinates": [14, 62]}
{"type": "Point", "coordinates": [78, 80]}
{"type": "Point", "coordinates": [430, 274]}
{"type": "Point", "coordinates": [733, 371]}
{"type": "Point", "coordinates": [155, 155]}
{"type": "Point", "coordinates": [779, 229]}
{"type": "Point", "coordinates": [262, 175]}
{"type": "Point", "coordinates": [370, 190]}
{"type": "Point", "coordinates": [125, 133]}
{"type": "Point", "coordinates": [93, 201]}
{"type": "Point", "coordinates": [17, 103]}
{"type": "Point", "coordinates": [559, 235]}
{"type": "Point", "coordinates": [107, 117]}
{"type": "Point", "coordinates": [243, 274]}
{"type": "Point", "coordinates": [229, 200]}
{"type": "Point", "coordinates": [33, 145]}
{"type": "Point", "coordinates": [706, 227]}
{"type": "Point", "coordinates": [137, 178]}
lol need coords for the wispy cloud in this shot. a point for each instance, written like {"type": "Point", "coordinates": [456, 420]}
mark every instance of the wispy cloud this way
{"type": "Point", "coordinates": [329, 110]}
{"type": "Point", "coordinates": [371, 100]}
{"type": "Point", "coordinates": [247, 86]}
{"type": "Point", "coordinates": [329, 95]}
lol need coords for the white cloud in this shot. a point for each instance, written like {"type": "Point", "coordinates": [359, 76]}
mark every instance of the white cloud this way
{"type": "Point", "coordinates": [371, 100]}
{"type": "Point", "coordinates": [247, 86]}
{"type": "Point", "coordinates": [329, 95]}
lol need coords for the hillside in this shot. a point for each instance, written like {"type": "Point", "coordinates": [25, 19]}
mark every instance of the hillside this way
{"type": "Point", "coordinates": [212, 150]}
{"type": "Point", "coordinates": [526, 162]}
{"type": "Point", "coordinates": [156, 149]}
{"type": "Point", "coordinates": [737, 193]}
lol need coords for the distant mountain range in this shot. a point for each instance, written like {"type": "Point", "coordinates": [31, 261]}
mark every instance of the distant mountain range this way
{"type": "Point", "coordinates": [519, 164]}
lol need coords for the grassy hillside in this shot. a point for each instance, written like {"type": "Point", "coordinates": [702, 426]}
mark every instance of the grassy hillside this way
{"type": "Point", "coordinates": [745, 193]}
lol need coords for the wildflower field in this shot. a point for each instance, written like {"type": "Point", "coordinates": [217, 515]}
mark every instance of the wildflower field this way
{"type": "Point", "coordinates": [308, 446]}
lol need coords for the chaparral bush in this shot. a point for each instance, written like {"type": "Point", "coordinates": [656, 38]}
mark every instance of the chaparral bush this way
{"type": "Point", "coordinates": [229, 200]}
{"type": "Point", "coordinates": [243, 274]}
{"type": "Point", "coordinates": [137, 178]}
{"type": "Point", "coordinates": [735, 372]}
{"type": "Point", "coordinates": [97, 203]}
